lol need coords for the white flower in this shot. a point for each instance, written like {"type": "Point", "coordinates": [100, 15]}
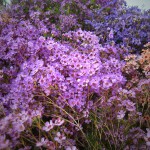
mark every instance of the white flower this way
{"type": "Point", "coordinates": [78, 80]}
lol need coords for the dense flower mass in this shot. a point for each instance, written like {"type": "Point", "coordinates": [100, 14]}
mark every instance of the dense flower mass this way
{"type": "Point", "coordinates": [126, 26]}
{"type": "Point", "coordinates": [62, 87]}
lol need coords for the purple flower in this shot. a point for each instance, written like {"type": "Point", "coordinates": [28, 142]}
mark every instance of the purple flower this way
{"type": "Point", "coordinates": [147, 137]}
{"type": "Point", "coordinates": [4, 143]}
{"type": "Point", "coordinates": [129, 105]}
{"type": "Point", "coordinates": [48, 126]}
{"type": "Point", "coordinates": [43, 142]}
{"type": "Point", "coordinates": [58, 122]}
{"type": "Point", "coordinates": [59, 137]}
{"type": "Point", "coordinates": [19, 126]}
{"type": "Point", "coordinates": [30, 44]}
{"type": "Point", "coordinates": [71, 148]}
{"type": "Point", "coordinates": [120, 114]}
{"type": "Point", "coordinates": [111, 34]}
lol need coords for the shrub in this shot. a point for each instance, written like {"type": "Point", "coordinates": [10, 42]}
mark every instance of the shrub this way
{"type": "Point", "coordinates": [126, 26]}
{"type": "Point", "coordinates": [62, 89]}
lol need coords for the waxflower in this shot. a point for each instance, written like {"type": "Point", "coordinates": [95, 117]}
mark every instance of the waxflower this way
{"type": "Point", "coordinates": [147, 138]}
{"type": "Point", "coordinates": [48, 126]}
{"type": "Point", "coordinates": [121, 114]}
{"type": "Point", "coordinates": [4, 142]}
{"type": "Point", "coordinates": [59, 137]}
{"type": "Point", "coordinates": [71, 148]}
{"type": "Point", "coordinates": [43, 142]}
{"type": "Point", "coordinates": [19, 126]}
{"type": "Point", "coordinates": [58, 122]}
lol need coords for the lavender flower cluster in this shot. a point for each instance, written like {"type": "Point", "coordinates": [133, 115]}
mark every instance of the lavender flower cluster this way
{"type": "Point", "coordinates": [126, 26]}
{"type": "Point", "coordinates": [62, 88]}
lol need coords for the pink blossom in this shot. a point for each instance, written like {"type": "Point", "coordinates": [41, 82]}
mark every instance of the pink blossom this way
{"type": "Point", "coordinates": [4, 143]}
{"type": "Point", "coordinates": [71, 148]}
{"type": "Point", "coordinates": [43, 142]}
{"type": "Point", "coordinates": [58, 122]}
{"type": "Point", "coordinates": [121, 114]}
{"type": "Point", "coordinates": [48, 126]}
{"type": "Point", "coordinates": [59, 137]}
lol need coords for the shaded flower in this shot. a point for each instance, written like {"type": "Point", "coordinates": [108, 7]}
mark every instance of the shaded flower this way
{"type": "Point", "coordinates": [71, 148]}
{"type": "Point", "coordinates": [4, 143]}
{"type": "Point", "coordinates": [147, 138]}
{"type": "Point", "coordinates": [59, 137]}
{"type": "Point", "coordinates": [58, 122]}
{"type": "Point", "coordinates": [43, 142]}
{"type": "Point", "coordinates": [121, 114]}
